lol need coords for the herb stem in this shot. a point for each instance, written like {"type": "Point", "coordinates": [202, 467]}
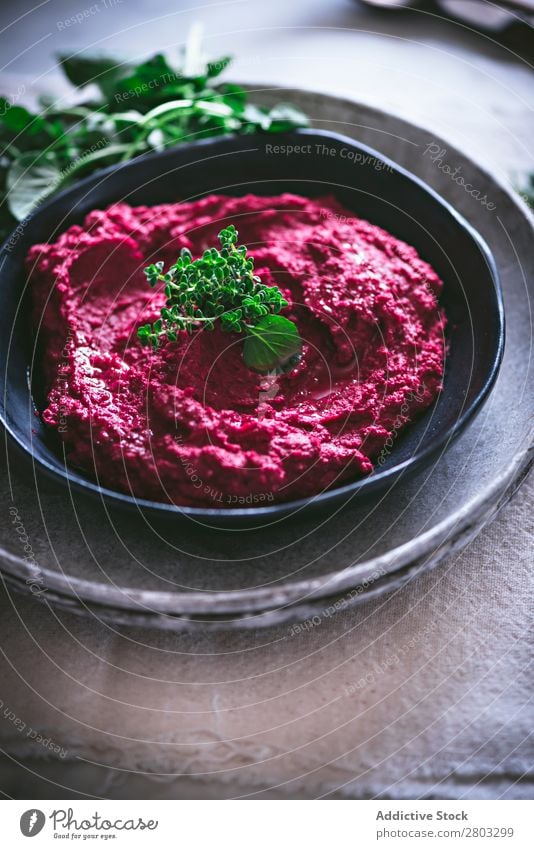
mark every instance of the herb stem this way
{"type": "Point", "coordinates": [44, 150]}
{"type": "Point", "coordinates": [221, 287]}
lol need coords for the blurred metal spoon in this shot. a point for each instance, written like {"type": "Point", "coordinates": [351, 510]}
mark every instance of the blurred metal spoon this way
{"type": "Point", "coordinates": [391, 3]}
{"type": "Point", "coordinates": [512, 5]}
{"type": "Point", "coordinates": [522, 8]}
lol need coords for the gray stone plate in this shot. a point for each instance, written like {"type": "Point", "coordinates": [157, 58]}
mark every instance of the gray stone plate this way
{"type": "Point", "coordinates": [74, 553]}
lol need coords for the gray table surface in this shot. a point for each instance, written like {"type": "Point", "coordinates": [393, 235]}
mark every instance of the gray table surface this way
{"type": "Point", "coordinates": [299, 719]}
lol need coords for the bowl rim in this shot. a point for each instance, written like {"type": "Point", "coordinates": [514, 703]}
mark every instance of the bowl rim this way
{"type": "Point", "coordinates": [338, 494]}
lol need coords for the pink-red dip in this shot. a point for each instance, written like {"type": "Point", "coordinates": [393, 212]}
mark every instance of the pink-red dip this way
{"type": "Point", "coordinates": [190, 423]}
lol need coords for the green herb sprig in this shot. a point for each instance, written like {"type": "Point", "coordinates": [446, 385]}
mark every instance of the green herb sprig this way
{"type": "Point", "coordinates": [221, 287]}
{"type": "Point", "coordinates": [132, 109]}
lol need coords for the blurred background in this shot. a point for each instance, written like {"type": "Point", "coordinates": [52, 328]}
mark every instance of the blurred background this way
{"type": "Point", "coordinates": [461, 67]}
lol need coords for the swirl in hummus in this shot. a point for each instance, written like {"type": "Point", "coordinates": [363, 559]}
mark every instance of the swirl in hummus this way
{"type": "Point", "coordinates": [189, 423]}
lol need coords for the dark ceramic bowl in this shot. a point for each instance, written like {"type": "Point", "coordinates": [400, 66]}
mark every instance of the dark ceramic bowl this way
{"type": "Point", "coordinates": [365, 182]}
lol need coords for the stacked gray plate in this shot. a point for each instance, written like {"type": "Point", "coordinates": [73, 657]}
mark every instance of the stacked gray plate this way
{"type": "Point", "coordinates": [123, 570]}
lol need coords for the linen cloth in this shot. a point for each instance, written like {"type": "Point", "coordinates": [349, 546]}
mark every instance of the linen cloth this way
{"type": "Point", "coordinates": [425, 692]}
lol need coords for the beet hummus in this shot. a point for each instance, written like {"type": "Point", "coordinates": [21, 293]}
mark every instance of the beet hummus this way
{"type": "Point", "coordinates": [189, 423]}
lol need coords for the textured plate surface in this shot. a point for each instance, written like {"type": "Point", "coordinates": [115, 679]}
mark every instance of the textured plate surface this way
{"type": "Point", "coordinates": [378, 190]}
{"type": "Point", "coordinates": [82, 557]}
